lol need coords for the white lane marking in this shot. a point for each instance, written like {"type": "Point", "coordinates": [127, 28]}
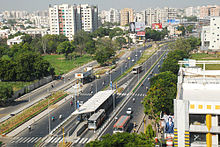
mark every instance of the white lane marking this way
{"type": "Point", "coordinates": [26, 139]}
{"type": "Point", "coordinates": [51, 141]}
{"type": "Point", "coordinates": [34, 140]}
{"type": "Point", "coordinates": [15, 139]}
{"type": "Point", "coordinates": [18, 140]}
{"type": "Point", "coordinates": [30, 139]}
{"type": "Point", "coordinates": [38, 139]}
{"type": "Point", "coordinates": [77, 140]}
{"type": "Point", "coordinates": [58, 139]}
{"type": "Point", "coordinates": [82, 140]}
{"type": "Point", "coordinates": [22, 140]}
{"type": "Point", "coordinates": [85, 140]}
{"type": "Point", "coordinates": [89, 140]}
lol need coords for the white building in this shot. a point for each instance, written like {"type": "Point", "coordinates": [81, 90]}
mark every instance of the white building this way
{"type": "Point", "coordinates": [112, 15]}
{"type": "Point", "coordinates": [159, 15]}
{"type": "Point", "coordinates": [63, 20]}
{"type": "Point", "coordinates": [36, 32]}
{"type": "Point", "coordinates": [197, 106]}
{"type": "Point", "coordinates": [89, 17]}
{"type": "Point", "coordinates": [139, 17]}
{"type": "Point", "coordinates": [192, 11]}
{"type": "Point", "coordinates": [15, 40]}
{"type": "Point", "coordinates": [69, 19]}
{"type": "Point", "coordinates": [210, 35]}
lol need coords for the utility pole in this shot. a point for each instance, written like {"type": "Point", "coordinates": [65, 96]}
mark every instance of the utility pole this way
{"type": "Point", "coordinates": [48, 115]}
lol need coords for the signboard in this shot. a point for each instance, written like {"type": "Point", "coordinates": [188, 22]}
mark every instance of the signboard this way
{"type": "Point", "coordinates": [139, 26]}
{"type": "Point", "coordinates": [78, 75]}
{"type": "Point", "coordinates": [132, 27]}
{"type": "Point", "coordinates": [157, 26]}
{"type": "Point", "coordinates": [141, 33]}
{"type": "Point", "coordinates": [173, 21]}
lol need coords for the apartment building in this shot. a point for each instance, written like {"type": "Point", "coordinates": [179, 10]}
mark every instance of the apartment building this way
{"type": "Point", "coordinates": [192, 11]}
{"type": "Point", "coordinates": [69, 19]}
{"type": "Point", "coordinates": [210, 35]}
{"type": "Point", "coordinates": [89, 17]}
{"type": "Point", "coordinates": [160, 15]}
{"type": "Point", "coordinates": [206, 11]}
{"type": "Point", "coordinates": [197, 106]}
{"type": "Point", "coordinates": [127, 16]}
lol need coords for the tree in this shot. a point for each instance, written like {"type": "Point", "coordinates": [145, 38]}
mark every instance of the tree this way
{"type": "Point", "coordinates": [120, 41]}
{"type": "Point", "coordinates": [122, 139]}
{"type": "Point", "coordinates": [181, 44]}
{"type": "Point", "coordinates": [104, 50]}
{"type": "Point", "coordinates": [65, 47]}
{"type": "Point", "coordinates": [6, 92]}
{"type": "Point", "coordinates": [190, 28]}
{"type": "Point", "coordinates": [181, 28]}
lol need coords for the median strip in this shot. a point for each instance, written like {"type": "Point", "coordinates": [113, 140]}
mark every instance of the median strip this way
{"type": "Point", "coordinates": [14, 122]}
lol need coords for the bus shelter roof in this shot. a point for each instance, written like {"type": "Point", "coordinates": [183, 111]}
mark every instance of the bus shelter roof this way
{"type": "Point", "coordinates": [94, 102]}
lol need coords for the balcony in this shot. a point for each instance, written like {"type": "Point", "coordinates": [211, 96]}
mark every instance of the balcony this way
{"type": "Point", "coordinates": [203, 128]}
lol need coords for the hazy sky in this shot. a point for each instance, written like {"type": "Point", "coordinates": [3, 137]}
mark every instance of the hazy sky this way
{"type": "Point", "coordinates": [32, 5]}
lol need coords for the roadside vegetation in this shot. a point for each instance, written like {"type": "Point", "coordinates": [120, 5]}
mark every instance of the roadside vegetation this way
{"type": "Point", "coordinates": [19, 119]}
{"type": "Point", "coordinates": [163, 87]}
{"type": "Point", "coordinates": [126, 139]}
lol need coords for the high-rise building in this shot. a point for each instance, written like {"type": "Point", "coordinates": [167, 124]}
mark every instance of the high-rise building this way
{"type": "Point", "coordinates": [210, 35]}
{"type": "Point", "coordinates": [206, 11]}
{"type": "Point", "coordinates": [192, 11]}
{"type": "Point", "coordinates": [159, 15]}
{"type": "Point", "coordinates": [139, 16]}
{"type": "Point", "coordinates": [112, 15]}
{"type": "Point", "coordinates": [62, 20]}
{"type": "Point", "coordinates": [69, 19]}
{"type": "Point", "coordinates": [89, 17]}
{"type": "Point", "coordinates": [127, 16]}
{"type": "Point", "coordinates": [197, 106]}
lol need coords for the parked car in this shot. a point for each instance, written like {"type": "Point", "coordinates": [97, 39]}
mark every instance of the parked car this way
{"type": "Point", "coordinates": [129, 111]}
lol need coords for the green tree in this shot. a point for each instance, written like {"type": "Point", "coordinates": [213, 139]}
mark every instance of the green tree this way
{"type": "Point", "coordinates": [181, 44]}
{"type": "Point", "coordinates": [120, 41]}
{"type": "Point", "coordinates": [65, 48]}
{"type": "Point", "coordinates": [104, 50]}
{"type": "Point", "coordinates": [181, 28]}
{"type": "Point", "coordinates": [6, 92]}
{"type": "Point", "coordinates": [190, 28]}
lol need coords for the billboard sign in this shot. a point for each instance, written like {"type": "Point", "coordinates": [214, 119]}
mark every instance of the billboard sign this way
{"type": "Point", "coordinates": [173, 21]}
{"type": "Point", "coordinates": [157, 26]}
{"type": "Point", "coordinates": [142, 33]}
{"type": "Point", "coordinates": [132, 27]}
{"type": "Point", "coordinates": [139, 26]}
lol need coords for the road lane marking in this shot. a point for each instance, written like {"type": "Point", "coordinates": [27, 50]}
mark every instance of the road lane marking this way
{"type": "Point", "coordinates": [26, 139]}
{"type": "Point", "coordinates": [22, 140]}
{"type": "Point", "coordinates": [34, 140]}
{"type": "Point", "coordinates": [30, 139]}
{"type": "Point", "coordinates": [15, 139]}
{"type": "Point", "coordinates": [77, 140]}
{"type": "Point", "coordinates": [58, 140]}
{"type": "Point", "coordinates": [38, 139]}
{"type": "Point", "coordinates": [85, 140]}
{"type": "Point", "coordinates": [82, 140]}
{"type": "Point", "coordinates": [18, 140]}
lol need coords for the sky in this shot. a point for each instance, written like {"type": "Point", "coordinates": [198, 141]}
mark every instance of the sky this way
{"type": "Point", "coordinates": [33, 5]}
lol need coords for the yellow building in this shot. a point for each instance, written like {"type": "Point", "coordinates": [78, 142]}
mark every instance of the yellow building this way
{"type": "Point", "coordinates": [127, 16]}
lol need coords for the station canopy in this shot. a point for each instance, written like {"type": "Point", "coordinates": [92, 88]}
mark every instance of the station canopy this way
{"type": "Point", "coordinates": [94, 102]}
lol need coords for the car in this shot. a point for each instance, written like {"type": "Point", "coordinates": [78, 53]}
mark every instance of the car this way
{"type": "Point", "coordinates": [132, 60]}
{"type": "Point", "coordinates": [129, 111]}
{"type": "Point", "coordinates": [136, 55]}
{"type": "Point", "coordinates": [106, 73]}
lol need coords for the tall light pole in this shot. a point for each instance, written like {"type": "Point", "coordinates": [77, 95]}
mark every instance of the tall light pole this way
{"type": "Point", "coordinates": [96, 84]}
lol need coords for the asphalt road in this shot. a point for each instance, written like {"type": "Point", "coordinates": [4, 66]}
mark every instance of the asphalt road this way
{"type": "Point", "coordinates": [41, 127]}
{"type": "Point", "coordinates": [137, 107]}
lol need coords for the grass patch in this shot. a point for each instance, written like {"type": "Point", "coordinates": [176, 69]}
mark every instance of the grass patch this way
{"type": "Point", "coordinates": [17, 85]}
{"type": "Point", "coordinates": [62, 65]}
{"type": "Point", "coordinates": [204, 56]}
{"type": "Point", "coordinates": [19, 119]}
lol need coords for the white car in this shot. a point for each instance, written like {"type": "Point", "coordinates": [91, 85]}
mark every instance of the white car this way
{"type": "Point", "coordinates": [129, 111]}
{"type": "Point", "coordinates": [136, 55]}
{"type": "Point", "coordinates": [132, 60]}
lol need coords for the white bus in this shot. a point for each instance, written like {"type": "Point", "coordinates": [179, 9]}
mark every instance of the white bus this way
{"type": "Point", "coordinates": [122, 124]}
{"type": "Point", "coordinates": [137, 69]}
{"type": "Point", "coordinates": [96, 119]}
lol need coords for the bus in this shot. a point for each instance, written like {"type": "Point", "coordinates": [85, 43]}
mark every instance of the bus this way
{"type": "Point", "coordinates": [122, 124]}
{"type": "Point", "coordinates": [96, 119]}
{"type": "Point", "coordinates": [137, 69]}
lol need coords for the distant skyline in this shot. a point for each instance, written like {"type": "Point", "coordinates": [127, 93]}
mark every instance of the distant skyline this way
{"type": "Point", "coordinates": [33, 5]}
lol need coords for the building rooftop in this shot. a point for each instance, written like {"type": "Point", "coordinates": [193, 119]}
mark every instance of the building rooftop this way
{"type": "Point", "coordinates": [196, 84]}
{"type": "Point", "coordinates": [94, 102]}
